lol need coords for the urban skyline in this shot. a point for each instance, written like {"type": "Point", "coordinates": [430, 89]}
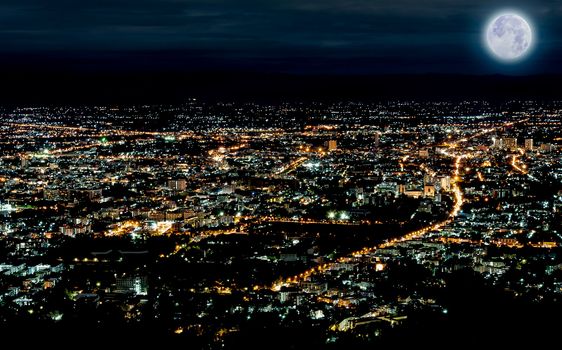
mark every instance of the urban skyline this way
{"type": "Point", "coordinates": [353, 223]}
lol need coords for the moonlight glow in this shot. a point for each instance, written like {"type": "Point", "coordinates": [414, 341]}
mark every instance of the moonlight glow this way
{"type": "Point", "coordinates": [509, 37]}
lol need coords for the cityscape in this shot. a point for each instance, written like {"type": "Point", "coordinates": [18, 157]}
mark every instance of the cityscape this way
{"type": "Point", "coordinates": [295, 224]}
{"type": "Point", "coordinates": [281, 174]}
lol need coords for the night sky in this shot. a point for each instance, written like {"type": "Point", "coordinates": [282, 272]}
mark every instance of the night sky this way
{"type": "Point", "coordinates": [311, 36]}
{"type": "Point", "coordinates": [302, 37]}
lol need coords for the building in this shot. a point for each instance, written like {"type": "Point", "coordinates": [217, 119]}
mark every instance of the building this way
{"type": "Point", "coordinates": [136, 284]}
{"type": "Point", "coordinates": [446, 183]}
{"type": "Point", "coordinates": [413, 192]}
{"type": "Point", "coordinates": [377, 139]}
{"type": "Point", "coordinates": [546, 147]}
{"type": "Point", "coordinates": [331, 145]}
{"type": "Point", "coordinates": [389, 188]}
{"type": "Point", "coordinates": [529, 144]}
{"type": "Point", "coordinates": [174, 215]}
{"type": "Point", "coordinates": [177, 185]}
{"type": "Point", "coordinates": [429, 190]}
{"type": "Point", "coordinates": [510, 143]}
{"type": "Point", "coordinates": [423, 153]}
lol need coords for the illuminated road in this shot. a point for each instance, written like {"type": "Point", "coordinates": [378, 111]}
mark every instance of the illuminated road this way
{"type": "Point", "coordinates": [124, 228]}
{"type": "Point", "coordinates": [291, 166]}
{"type": "Point", "coordinates": [206, 234]}
{"type": "Point", "coordinates": [80, 146]}
{"type": "Point", "coordinates": [130, 226]}
{"type": "Point", "coordinates": [520, 168]}
{"type": "Point", "coordinates": [311, 221]}
{"type": "Point", "coordinates": [458, 202]}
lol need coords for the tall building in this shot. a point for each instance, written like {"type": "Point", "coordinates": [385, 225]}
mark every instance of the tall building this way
{"type": "Point", "coordinates": [331, 145]}
{"type": "Point", "coordinates": [529, 144]}
{"type": "Point", "coordinates": [360, 196]}
{"type": "Point", "coordinates": [377, 139]}
{"type": "Point", "coordinates": [510, 143]}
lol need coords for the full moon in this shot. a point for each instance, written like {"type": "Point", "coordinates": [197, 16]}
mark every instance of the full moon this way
{"type": "Point", "coordinates": [509, 37]}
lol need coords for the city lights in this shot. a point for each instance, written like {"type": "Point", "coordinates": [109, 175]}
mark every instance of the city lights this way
{"type": "Point", "coordinates": [214, 225]}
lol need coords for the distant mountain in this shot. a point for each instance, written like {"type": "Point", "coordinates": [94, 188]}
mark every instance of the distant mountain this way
{"type": "Point", "coordinates": [64, 87]}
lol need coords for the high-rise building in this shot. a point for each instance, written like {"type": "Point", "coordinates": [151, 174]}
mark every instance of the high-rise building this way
{"type": "Point", "coordinates": [377, 139]}
{"type": "Point", "coordinates": [529, 144]}
{"type": "Point", "coordinates": [510, 143]}
{"type": "Point", "coordinates": [332, 145]}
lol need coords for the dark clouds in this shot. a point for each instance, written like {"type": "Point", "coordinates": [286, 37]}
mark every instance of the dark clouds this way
{"type": "Point", "coordinates": [331, 36]}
